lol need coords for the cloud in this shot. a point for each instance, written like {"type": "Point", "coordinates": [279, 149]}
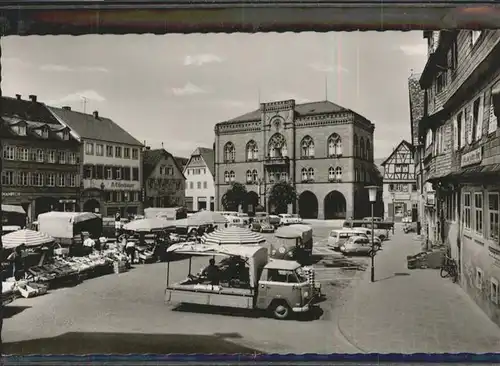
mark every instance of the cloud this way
{"type": "Point", "coordinates": [65, 68]}
{"type": "Point", "coordinates": [198, 60]}
{"type": "Point", "coordinates": [89, 95]}
{"type": "Point", "coordinates": [318, 66]}
{"type": "Point", "coordinates": [188, 89]}
{"type": "Point", "coordinates": [414, 49]}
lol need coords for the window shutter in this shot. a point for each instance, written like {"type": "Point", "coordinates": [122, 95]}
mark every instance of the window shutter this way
{"type": "Point", "coordinates": [480, 116]}
{"type": "Point", "coordinates": [492, 126]}
{"type": "Point", "coordinates": [469, 119]}
{"type": "Point", "coordinates": [455, 134]}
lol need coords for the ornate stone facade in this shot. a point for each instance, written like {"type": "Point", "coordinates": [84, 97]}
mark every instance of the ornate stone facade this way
{"type": "Point", "coordinates": [323, 149]}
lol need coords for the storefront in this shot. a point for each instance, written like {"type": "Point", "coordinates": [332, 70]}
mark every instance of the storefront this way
{"type": "Point", "coordinates": [37, 202]}
{"type": "Point", "coordinates": [111, 196]}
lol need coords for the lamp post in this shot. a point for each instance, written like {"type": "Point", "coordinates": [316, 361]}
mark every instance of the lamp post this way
{"type": "Point", "coordinates": [372, 194]}
{"type": "Point", "coordinates": [393, 196]}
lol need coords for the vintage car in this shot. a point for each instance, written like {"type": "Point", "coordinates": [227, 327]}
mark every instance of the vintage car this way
{"type": "Point", "coordinates": [357, 245]}
{"type": "Point", "coordinates": [286, 219]}
{"type": "Point", "coordinates": [296, 219]}
{"type": "Point", "coordinates": [262, 226]}
{"type": "Point", "coordinates": [275, 220]}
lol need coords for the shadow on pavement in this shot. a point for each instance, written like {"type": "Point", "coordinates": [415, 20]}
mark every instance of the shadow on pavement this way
{"type": "Point", "coordinates": [9, 311]}
{"type": "Point", "coordinates": [395, 274]}
{"type": "Point", "coordinates": [315, 313]}
{"type": "Point", "coordinates": [126, 343]}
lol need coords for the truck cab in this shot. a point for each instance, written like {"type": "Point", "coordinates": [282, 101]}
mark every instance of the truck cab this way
{"type": "Point", "coordinates": [294, 242]}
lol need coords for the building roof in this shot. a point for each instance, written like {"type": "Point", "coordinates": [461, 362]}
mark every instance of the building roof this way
{"type": "Point", "coordinates": [153, 157]}
{"type": "Point", "coordinates": [304, 109]}
{"type": "Point", "coordinates": [208, 157]}
{"type": "Point", "coordinates": [182, 161]}
{"type": "Point", "coordinates": [27, 110]}
{"type": "Point", "coordinates": [416, 98]}
{"type": "Point", "coordinates": [403, 142]}
{"type": "Point", "coordinates": [89, 127]}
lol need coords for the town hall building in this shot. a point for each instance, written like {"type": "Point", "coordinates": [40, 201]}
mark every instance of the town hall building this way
{"type": "Point", "coordinates": [323, 149]}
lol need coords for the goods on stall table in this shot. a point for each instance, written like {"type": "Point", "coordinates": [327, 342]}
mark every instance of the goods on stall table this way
{"type": "Point", "coordinates": [119, 267]}
{"type": "Point", "coordinates": [31, 289]}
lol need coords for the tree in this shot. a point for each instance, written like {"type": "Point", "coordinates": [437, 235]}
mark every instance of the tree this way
{"type": "Point", "coordinates": [235, 196]}
{"type": "Point", "coordinates": [281, 195]}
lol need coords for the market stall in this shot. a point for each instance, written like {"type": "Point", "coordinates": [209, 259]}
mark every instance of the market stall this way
{"type": "Point", "coordinates": [233, 235]}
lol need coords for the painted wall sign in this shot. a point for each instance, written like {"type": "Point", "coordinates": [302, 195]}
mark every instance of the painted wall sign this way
{"type": "Point", "coordinates": [11, 194]}
{"type": "Point", "coordinates": [472, 157]}
{"type": "Point", "coordinates": [112, 185]}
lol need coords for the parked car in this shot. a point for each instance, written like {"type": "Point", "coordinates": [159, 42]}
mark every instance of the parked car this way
{"type": "Point", "coordinates": [368, 233]}
{"type": "Point", "coordinates": [356, 245]}
{"type": "Point", "coordinates": [375, 219]}
{"type": "Point", "coordinates": [275, 220]}
{"type": "Point", "coordinates": [286, 219]}
{"type": "Point", "coordinates": [244, 217]}
{"type": "Point", "coordinates": [262, 226]}
{"type": "Point", "coordinates": [407, 220]}
{"type": "Point", "coordinates": [297, 219]}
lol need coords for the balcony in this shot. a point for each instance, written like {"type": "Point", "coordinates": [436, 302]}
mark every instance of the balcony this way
{"type": "Point", "coordinates": [277, 161]}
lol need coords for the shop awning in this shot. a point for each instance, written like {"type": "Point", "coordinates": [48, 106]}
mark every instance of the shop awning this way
{"type": "Point", "coordinates": [14, 209]}
{"type": "Point", "coordinates": [478, 171]}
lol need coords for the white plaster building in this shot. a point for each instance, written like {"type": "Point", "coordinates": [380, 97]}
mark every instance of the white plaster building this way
{"type": "Point", "coordinates": [200, 187]}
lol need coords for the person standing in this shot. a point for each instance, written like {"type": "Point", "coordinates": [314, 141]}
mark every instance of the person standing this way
{"type": "Point", "coordinates": [16, 258]}
{"type": "Point", "coordinates": [130, 250]}
{"type": "Point", "coordinates": [102, 242]}
{"type": "Point", "coordinates": [118, 224]}
{"type": "Point", "coordinates": [88, 243]}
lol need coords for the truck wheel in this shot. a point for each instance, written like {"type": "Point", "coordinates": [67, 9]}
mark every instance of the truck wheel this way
{"type": "Point", "coordinates": [280, 310]}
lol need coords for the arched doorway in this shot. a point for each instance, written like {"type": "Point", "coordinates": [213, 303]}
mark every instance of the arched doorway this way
{"type": "Point", "coordinates": [92, 205]}
{"type": "Point", "coordinates": [45, 204]}
{"type": "Point", "coordinates": [335, 206]}
{"type": "Point", "coordinates": [252, 201]}
{"type": "Point", "coordinates": [308, 205]}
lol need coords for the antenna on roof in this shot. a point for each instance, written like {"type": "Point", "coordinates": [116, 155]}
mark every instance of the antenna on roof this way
{"type": "Point", "coordinates": [84, 100]}
{"type": "Point", "coordinates": [162, 145]}
{"type": "Point", "coordinates": [326, 87]}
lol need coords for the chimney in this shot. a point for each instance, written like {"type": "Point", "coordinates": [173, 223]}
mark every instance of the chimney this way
{"type": "Point", "coordinates": [33, 98]}
{"type": "Point", "coordinates": [18, 96]}
{"type": "Point", "coordinates": [96, 114]}
{"type": "Point", "coordinates": [66, 107]}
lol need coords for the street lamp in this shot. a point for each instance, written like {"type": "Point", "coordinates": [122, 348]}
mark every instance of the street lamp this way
{"type": "Point", "coordinates": [393, 196]}
{"type": "Point", "coordinates": [372, 194]}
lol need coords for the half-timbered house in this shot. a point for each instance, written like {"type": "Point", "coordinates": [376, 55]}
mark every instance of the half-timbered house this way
{"type": "Point", "coordinates": [400, 189]}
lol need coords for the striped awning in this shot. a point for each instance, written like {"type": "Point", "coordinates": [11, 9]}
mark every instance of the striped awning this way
{"type": "Point", "coordinates": [30, 238]}
{"type": "Point", "coordinates": [233, 235]}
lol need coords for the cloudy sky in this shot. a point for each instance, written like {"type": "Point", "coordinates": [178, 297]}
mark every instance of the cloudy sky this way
{"type": "Point", "coordinates": [175, 88]}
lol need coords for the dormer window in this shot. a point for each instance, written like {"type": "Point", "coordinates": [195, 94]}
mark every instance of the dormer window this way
{"type": "Point", "coordinates": [64, 135]}
{"type": "Point", "coordinates": [44, 133]}
{"type": "Point", "coordinates": [20, 130]}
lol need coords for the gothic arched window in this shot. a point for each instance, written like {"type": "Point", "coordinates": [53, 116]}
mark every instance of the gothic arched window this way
{"type": "Point", "coordinates": [310, 174]}
{"type": "Point", "coordinates": [232, 176]}
{"type": "Point", "coordinates": [229, 152]}
{"type": "Point", "coordinates": [277, 146]}
{"type": "Point", "coordinates": [307, 147]}
{"type": "Point", "coordinates": [304, 174]}
{"type": "Point", "coordinates": [368, 150]}
{"type": "Point", "coordinates": [331, 173]}
{"type": "Point", "coordinates": [249, 176]}
{"type": "Point", "coordinates": [356, 147]}
{"type": "Point", "coordinates": [334, 145]}
{"type": "Point", "coordinates": [252, 150]}
{"type": "Point", "coordinates": [338, 173]}
{"type": "Point", "coordinates": [255, 175]}
{"type": "Point", "coordinates": [226, 177]}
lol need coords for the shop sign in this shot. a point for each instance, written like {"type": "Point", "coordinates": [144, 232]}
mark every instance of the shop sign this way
{"type": "Point", "coordinates": [472, 157]}
{"type": "Point", "coordinates": [67, 201]}
{"type": "Point", "coordinates": [495, 255]}
{"type": "Point", "coordinates": [112, 185]}
{"type": "Point", "coordinates": [11, 194]}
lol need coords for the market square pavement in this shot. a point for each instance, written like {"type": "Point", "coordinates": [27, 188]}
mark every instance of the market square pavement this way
{"type": "Point", "coordinates": [412, 311]}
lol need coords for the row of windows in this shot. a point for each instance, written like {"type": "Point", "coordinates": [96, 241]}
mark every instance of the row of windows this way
{"type": "Point", "coordinates": [277, 147]}
{"type": "Point", "coordinates": [198, 185]}
{"type": "Point", "coordinates": [20, 178]}
{"type": "Point", "coordinates": [122, 196]}
{"type": "Point", "coordinates": [110, 172]}
{"type": "Point", "coordinates": [111, 151]}
{"type": "Point", "coordinates": [166, 170]}
{"type": "Point", "coordinates": [165, 183]}
{"type": "Point", "coordinates": [43, 132]}
{"type": "Point", "coordinates": [402, 187]}
{"type": "Point", "coordinates": [196, 171]}
{"type": "Point", "coordinates": [307, 174]}
{"type": "Point", "coordinates": [39, 155]}
{"type": "Point", "coordinates": [480, 214]}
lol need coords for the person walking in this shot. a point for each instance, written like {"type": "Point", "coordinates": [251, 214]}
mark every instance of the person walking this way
{"type": "Point", "coordinates": [130, 250]}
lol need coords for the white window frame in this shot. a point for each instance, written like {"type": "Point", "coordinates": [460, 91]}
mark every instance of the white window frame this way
{"type": "Point", "coordinates": [62, 157]}
{"type": "Point", "coordinates": [109, 172]}
{"type": "Point", "coordinates": [109, 151]}
{"type": "Point", "coordinates": [24, 178]}
{"type": "Point", "coordinates": [495, 213]}
{"type": "Point", "coordinates": [61, 180]}
{"type": "Point", "coordinates": [304, 174]}
{"type": "Point", "coordinates": [51, 156]}
{"type": "Point", "coordinates": [89, 148]}
{"type": "Point", "coordinates": [466, 217]}
{"type": "Point", "coordinates": [479, 278]}
{"type": "Point", "coordinates": [36, 179]}
{"type": "Point", "coordinates": [7, 177]}
{"type": "Point", "coordinates": [72, 180]}
{"type": "Point", "coordinates": [494, 290]}
{"type": "Point", "coordinates": [24, 154]}
{"type": "Point", "coordinates": [9, 152]}
{"type": "Point", "coordinates": [50, 180]}
{"type": "Point", "coordinates": [135, 154]}
{"type": "Point", "coordinates": [232, 176]}
{"type": "Point", "coordinates": [226, 178]}
{"type": "Point", "coordinates": [338, 173]}
{"type": "Point", "coordinates": [40, 156]}
{"type": "Point", "coordinates": [479, 211]}
{"type": "Point", "coordinates": [331, 173]}
{"type": "Point", "coordinates": [118, 152]}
